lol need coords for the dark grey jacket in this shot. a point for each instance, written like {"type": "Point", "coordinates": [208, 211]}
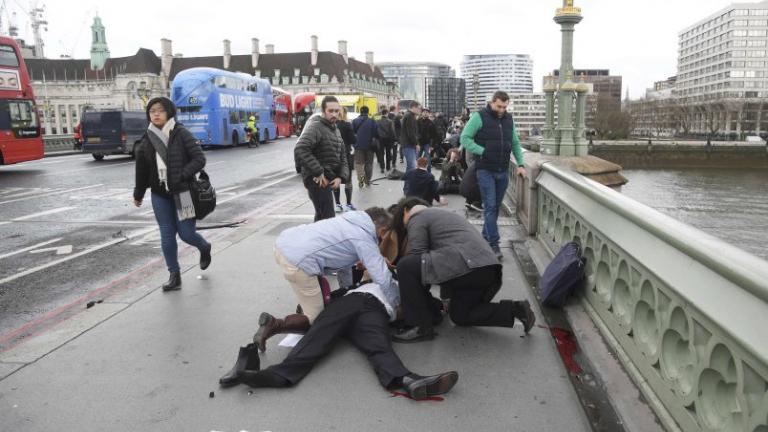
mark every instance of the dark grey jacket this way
{"type": "Point", "coordinates": [320, 150]}
{"type": "Point", "coordinates": [449, 246]}
{"type": "Point", "coordinates": [409, 132]}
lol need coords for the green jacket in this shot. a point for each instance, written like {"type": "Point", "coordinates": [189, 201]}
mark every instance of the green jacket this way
{"type": "Point", "coordinates": [474, 124]}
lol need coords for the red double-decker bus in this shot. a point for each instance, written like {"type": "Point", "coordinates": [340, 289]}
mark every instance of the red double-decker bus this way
{"type": "Point", "coordinates": [282, 112]}
{"type": "Point", "coordinates": [20, 136]}
{"type": "Point", "coordinates": [303, 107]}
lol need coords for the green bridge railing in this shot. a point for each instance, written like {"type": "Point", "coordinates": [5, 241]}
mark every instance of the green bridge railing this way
{"type": "Point", "coordinates": [686, 312]}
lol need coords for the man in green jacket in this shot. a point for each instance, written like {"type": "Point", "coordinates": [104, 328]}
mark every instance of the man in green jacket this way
{"type": "Point", "coordinates": [490, 135]}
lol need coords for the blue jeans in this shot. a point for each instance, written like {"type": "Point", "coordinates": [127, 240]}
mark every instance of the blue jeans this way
{"type": "Point", "coordinates": [168, 220]}
{"type": "Point", "coordinates": [493, 185]}
{"type": "Point", "coordinates": [410, 158]}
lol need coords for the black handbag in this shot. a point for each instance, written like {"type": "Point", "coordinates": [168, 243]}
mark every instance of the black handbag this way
{"type": "Point", "coordinates": [203, 195]}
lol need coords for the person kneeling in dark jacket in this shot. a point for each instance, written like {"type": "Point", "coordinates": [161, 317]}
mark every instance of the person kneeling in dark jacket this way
{"type": "Point", "coordinates": [421, 183]}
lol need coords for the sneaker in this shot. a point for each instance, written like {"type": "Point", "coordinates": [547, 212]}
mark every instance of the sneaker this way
{"type": "Point", "coordinates": [360, 181]}
{"type": "Point", "coordinates": [476, 206]}
{"type": "Point", "coordinates": [339, 208]}
{"type": "Point", "coordinates": [350, 207]}
{"type": "Point", "coordinates": [498, 253]}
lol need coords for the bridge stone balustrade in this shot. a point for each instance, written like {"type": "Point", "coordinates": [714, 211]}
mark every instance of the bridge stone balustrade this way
{"type": "Point", "coordinates": [686, 312]}
{"type": "Point", "coordinates": [59, 142]}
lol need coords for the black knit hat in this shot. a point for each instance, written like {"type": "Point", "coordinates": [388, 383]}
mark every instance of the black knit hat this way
{"type": "Point", "coordinates": [169, 107]}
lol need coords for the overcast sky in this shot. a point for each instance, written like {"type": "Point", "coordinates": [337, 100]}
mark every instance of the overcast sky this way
{"type": "Point", "coordinates": [635, 39]}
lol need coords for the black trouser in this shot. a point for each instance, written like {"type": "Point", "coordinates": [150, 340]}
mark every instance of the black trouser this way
{"type": "Point", "coordinates": [347, 183]}
{"type": "Point", "coordinates": [420, 308]}
{"type": "Point", "coordinates": [393, 153]}
{"type": "Point", "coordinates": [362, 319]}
{"type": "Point", "coordinates": [384, 154]}
{"type": "Point", "coordinates": [322, 199]}
{"type": "Point", "coordinates": [469, 300]}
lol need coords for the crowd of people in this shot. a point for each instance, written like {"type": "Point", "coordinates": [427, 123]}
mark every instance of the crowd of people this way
{"type": "Point", "coordinates": [387, 260]}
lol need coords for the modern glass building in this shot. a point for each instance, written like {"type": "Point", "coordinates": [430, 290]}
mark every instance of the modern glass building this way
{"type": "Point", "coordinates": [487, 73]}
{"type": "Point", "coordinates": [410, 77]}
{"type": "Point", "coordinates": [445, 95]}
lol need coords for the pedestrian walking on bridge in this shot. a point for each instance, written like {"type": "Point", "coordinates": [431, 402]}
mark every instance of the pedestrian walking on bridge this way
{"type": "Point", "coordinates": [167, 160]}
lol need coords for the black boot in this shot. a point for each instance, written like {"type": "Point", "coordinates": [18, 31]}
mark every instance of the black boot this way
{"type": "Point", "coordinates": [247, 359]}
{"type": "Point", "coordinates": [421, 387]}
{"type": "Point", "coordinates": [174, 282]}
{"type": "Point", "coordinates": [205, 258]}
{"type": "Point", "coordinates": [523, 312]}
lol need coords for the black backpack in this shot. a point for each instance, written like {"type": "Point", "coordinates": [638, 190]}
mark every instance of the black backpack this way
{"type": "Point", "coordinates": [563, 276]}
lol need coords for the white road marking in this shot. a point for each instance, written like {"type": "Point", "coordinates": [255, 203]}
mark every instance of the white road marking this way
{"type": "Point", "coordinates": [60, 250]}
{"type": "Point", "coordinates": [42, 213]}
{"type": "Point", "coordinates": [16, 252]}
{"type": "Point", "coordinates": [71, 257]}
{"type": "Point", "coordinates": [30, 191]}
{"type": "Point", "coordinates": [85, 169]}
{"type": "Point", "coordinates": [277, 174]}
{"type": "Point", "coordinates": [256, 189]}
{"type": "Point", "coordinates": [50, 193]}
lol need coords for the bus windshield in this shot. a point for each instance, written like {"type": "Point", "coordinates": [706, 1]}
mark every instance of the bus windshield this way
{"type": "Point", "coordinates": [8, 56]}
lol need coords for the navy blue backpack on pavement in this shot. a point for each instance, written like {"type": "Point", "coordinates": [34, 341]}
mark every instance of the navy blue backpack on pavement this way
{"type": "Point", "coordinates": [563, 276]}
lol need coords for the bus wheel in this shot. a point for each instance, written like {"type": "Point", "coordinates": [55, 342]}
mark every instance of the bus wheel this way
{"type": "Point", "coordinates": [97, 156]}
{"type": "Point", "coordinates": [235, 139]}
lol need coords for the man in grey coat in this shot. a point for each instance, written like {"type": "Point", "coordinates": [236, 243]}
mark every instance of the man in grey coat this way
{"type": "Point", "coordinates": [321, 155]}
{"type": "Point", "coordinates": [446, 249]}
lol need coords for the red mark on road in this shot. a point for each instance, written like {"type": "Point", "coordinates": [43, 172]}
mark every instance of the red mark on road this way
{"type": "Point", "coordinates": [567, 346]}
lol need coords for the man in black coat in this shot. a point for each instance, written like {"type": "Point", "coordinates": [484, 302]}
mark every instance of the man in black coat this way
{"type": "Point", "coordinates": [322, 155]}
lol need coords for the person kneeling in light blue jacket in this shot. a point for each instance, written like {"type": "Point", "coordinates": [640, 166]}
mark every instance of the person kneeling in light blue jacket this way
{"type": "Point", "coordinates": [306, 252]}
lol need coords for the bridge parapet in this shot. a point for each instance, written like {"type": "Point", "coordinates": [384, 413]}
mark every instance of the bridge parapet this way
{"type": "Point", "coordinates": [686, 312]}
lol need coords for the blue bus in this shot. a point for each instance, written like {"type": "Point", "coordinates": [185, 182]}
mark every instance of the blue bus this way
{"type": "Point", "coordinates": [215, 105]}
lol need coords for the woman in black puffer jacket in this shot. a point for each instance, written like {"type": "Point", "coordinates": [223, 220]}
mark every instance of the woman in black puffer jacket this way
{"type": "Point", "coordinates": [167, 174]}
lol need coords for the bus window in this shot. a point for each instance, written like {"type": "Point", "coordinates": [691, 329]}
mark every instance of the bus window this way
{"type": "Point", "coordinates": [221, 82]}
{"type": "Point", "coordinates": [234, 118]}
{"type": "Point", "coordinates": [8, 56]}
{"type": "Point", "coordinates": [186, 109]}
{"type": "Point", "coordinates": [252, 87]}
{"type": "Point", "coordinates": [243, 117]}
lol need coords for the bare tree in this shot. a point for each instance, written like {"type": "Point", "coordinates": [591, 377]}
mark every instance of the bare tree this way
{"type": "Point", "coordinates": [610, 121]}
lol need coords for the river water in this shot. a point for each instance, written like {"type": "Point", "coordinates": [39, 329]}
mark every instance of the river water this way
{"type": "Point", "coordinates": [731, 204]}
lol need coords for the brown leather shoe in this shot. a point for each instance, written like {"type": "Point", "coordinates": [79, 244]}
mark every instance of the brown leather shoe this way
{"type": "Point", "coordinates": [270, 326]}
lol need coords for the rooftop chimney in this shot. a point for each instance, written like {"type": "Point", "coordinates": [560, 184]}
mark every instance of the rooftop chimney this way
{"type": "Point", "coordinates": [166, 58]}
{"type": "Point", "coordinates": [369, 59]}
{"type": "Point", "coordinates": [314, 51]}
{"type": "Point", "coordinates": [343, 50]}
{"type": "Point", "coordinates": [227, 53]}
{"type": "Point", "coordinates": [270, 49]}
{"type": "Point", "coordinates": [255, 53]}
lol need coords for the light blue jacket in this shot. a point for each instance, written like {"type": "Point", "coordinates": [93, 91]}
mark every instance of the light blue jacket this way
{"type": "Point", "coordinates": [336, 244]}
